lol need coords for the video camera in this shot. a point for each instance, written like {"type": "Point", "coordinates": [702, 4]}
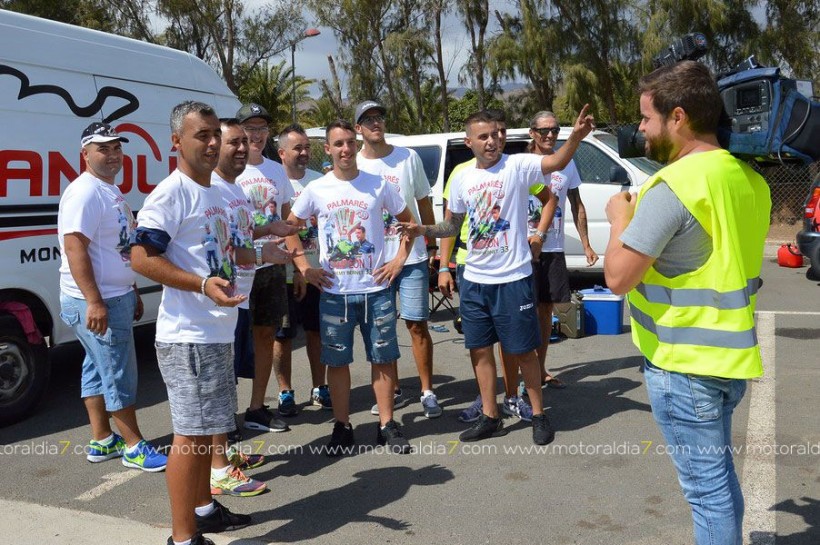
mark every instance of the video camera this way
{"type": "Point", "coordinates": [767, 117]}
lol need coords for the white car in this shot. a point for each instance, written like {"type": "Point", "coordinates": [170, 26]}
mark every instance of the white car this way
{"type": "Point", "coordinates": [603, 174]}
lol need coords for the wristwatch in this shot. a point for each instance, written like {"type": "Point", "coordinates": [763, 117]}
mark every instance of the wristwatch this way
{"type": "Point", "coordinates": [542, 235]}
{"type": "Point", "coordinates": [258, 255]}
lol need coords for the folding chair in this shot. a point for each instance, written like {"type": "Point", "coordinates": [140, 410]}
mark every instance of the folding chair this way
{"type": "Point", "coordinates": [437, 300]}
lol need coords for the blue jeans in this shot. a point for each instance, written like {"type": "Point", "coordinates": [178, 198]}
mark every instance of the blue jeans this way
{"type": "Point", "coordinates": [110, 364]}
{"type": "Point", "coordinates": [413, 288]}
{"type": "Point", "coordinates": [376, 317]}
{"type": "Point", "coordinates": [694, 413]}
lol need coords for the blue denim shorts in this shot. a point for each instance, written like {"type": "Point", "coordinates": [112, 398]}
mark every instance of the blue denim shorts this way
{"type": "Point", "coordinates": [376, 317]}
{"type": "Point", "coordinates": [502, 313]}
{"type": "Point", "coordinates": [413, 289]}
{"type": "Point", "coordinates": [110, 364]}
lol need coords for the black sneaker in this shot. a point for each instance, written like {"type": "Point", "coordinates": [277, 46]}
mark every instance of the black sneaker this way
{"type": "Point", "coordinates": [392, 436]}
{"type": "Point", "coordinates": [341, 441]}
{"type": "Point", "coordinates": [542, 432]}
{"type": "Point", "coordinates": [262, 419]}
{"type": "Point", "coordinates": [287, 403]}
{"type": "Point", "coordinates": [484, 428]}
{"type": "Point", "coordinates": [196, 539]}
{"type": "Point", "coordinates": [220, 520]}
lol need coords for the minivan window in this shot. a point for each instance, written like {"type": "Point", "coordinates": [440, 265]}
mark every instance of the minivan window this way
{"type": "Point", "coordinates": [431, 158]}
{"type": "Point", "coordinates": [594, 166]}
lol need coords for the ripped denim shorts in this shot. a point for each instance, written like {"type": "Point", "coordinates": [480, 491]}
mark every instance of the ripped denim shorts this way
{"type": "Point", "coordinates": [376, 316]}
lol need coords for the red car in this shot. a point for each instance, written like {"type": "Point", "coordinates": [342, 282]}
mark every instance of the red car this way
{"type": "Point", "coordinates": [808, 240]}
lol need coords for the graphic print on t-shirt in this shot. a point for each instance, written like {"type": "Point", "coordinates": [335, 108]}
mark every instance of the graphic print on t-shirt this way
{"type": "Point", "coordinates": [487, 229]}
{"type": "Point", "coordinates": [263, 199]}
{"type": "Point", "coordinates": [128, 224]}
{"type": "Point", "coordinates": [349, 251]}
{"type": "Point", "coordinates": [391, 223]}
{"type": "Point", "coordinates": [220, 254]}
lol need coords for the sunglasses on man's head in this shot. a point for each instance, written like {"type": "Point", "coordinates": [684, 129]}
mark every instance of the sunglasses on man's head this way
{"type": "Point", "coordinates": [547, 130]}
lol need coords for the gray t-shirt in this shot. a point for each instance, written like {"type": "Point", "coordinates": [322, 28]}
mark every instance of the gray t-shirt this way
{"type": "Point", "coordinates": [664, 229]}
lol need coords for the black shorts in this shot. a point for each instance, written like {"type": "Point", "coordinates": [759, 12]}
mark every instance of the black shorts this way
{"type": "Point", "coordinates": [269, 297]}
{"type": "Point", "coordinates": [551, 278]}
{"type": "Point", "coordinates": [304, 313]}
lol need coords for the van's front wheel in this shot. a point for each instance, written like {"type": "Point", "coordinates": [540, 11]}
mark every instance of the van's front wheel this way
{"type": "Point", "coordinates": [24, 372]}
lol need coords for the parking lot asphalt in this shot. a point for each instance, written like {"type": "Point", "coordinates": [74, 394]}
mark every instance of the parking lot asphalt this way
{"type": "Point", "coordinates": [606, 478]}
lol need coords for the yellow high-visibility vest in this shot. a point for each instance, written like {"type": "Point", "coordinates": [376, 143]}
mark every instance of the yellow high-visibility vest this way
{"type": "Point", "coordinates": [702, 322]}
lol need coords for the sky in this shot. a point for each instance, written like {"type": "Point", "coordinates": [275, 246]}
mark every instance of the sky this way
{"type": "Point", "coordinates": [311, 53]}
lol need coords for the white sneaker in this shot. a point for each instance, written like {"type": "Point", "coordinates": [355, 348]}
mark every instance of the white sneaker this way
{"type": "Point", "coordinates": [429, 402]}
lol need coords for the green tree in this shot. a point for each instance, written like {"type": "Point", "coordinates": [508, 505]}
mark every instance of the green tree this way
{"type": "Point", "coordinates": [475, 14]}
{"type": "Point", "coordinates": [270, 86]}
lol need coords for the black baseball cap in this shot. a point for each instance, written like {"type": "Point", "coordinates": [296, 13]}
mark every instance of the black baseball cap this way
{"type": "Point", "coordinates": [249, 111]}
{"type": "Point", "coordinates": [98, 133]}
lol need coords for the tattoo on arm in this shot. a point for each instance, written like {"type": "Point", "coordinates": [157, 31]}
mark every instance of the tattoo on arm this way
{"type": "Point", "coordinates": [447, 228]}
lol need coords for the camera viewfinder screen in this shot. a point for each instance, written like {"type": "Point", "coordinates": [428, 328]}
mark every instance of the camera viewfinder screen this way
{"type": "Point", "coordinates": [748, 98]}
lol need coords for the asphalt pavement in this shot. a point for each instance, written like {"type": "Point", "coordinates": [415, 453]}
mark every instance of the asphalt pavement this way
{"type": "Point", "coordinates": [606, 478]}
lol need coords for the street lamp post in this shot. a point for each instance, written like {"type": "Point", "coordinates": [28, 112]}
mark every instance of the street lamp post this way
{"type": "Point", "coordinates": [309, 33]}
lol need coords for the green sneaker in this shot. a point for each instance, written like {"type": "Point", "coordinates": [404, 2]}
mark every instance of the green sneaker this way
{"type": "Point", "coordinates": [236, 483]}
{"type": "Point", "coordinates": [146, 458]}
{"type": "Point", "coordinates": [100, 452]}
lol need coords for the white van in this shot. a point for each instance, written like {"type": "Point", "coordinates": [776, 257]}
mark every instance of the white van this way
{"type": "Point", "coordinates": [55, 79]}
{"type": "Point", "coordinates": [603, 174]}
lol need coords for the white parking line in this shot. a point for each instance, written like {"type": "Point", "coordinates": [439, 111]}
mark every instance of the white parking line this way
{"type": "Point", "coordinates": [759, 469]}
{"type": "Point", "coordinates": [112, 480]}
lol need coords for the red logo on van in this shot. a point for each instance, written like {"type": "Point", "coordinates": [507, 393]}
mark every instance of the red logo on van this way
{"type": "Point", "coordinates": [44, 173]}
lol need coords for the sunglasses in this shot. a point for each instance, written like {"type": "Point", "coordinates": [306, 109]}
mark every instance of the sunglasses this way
{"type": "Point", "coordinates": [547, 130]}
{"type": "Point", "coordinates": [370, 119]}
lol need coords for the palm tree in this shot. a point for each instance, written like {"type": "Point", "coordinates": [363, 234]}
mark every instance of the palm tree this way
{"type": "Point", "coordinates": [270, 87]}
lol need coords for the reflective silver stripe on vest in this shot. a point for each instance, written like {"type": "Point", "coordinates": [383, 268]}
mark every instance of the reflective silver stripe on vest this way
{"type": "Point", "coordinates": [689, 297]}
{"type": "Point", "coordinates": [698, 336]}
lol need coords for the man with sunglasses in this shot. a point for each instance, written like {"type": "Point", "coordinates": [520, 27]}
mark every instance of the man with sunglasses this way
{"type": "Point", "coordinates": [550, 269]}
{"type": "Point", "coordinates": [403, 169]}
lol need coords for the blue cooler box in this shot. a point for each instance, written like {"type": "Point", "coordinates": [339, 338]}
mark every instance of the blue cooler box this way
{"type": "Point", "coordinates": [603, 311]}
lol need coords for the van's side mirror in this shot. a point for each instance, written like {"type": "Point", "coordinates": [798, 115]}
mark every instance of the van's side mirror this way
{"type": "Point", "coordinates": [618, 175]}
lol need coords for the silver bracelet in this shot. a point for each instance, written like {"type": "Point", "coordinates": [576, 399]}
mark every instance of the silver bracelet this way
{"type": "Point", "coordinates": [202, 285]}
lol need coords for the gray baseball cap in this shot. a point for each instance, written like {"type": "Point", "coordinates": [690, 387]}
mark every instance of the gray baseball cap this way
{"type": "Point", "coordinates": [368, 105]}
{"type": "Point", "coordinates": [99, 133]}
{"type": "Point", "coordinates": [249, 111]}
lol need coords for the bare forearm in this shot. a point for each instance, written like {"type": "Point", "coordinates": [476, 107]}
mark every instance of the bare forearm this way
{"type": "Point", "coordinates": [561, 158]}
{"type": "Point", "coordinates": [152, 265]}
{"type": "Point", "coordinates": [580, 220]}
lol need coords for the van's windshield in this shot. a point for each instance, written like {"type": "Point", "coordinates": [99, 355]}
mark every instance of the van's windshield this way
{"type": "Point", "coordinates": [647, 165]}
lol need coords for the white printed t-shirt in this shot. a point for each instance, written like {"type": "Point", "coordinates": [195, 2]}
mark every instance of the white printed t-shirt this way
{"type": "Point", "coordinates": [405, 172]}
{"type": "Point", "coordinates": [350, 227]}
{"type": "Point", "coordinates": [196, 218]}
{"type": "Point", "coordinates": [495, 201]}
{"type": "Point", "coordinates": [268, 188]}
{"type": "Point", "coordinates": [240, 225]}
{"type": "Point", "coordinates": [310, 234]}
{"type": "Point", "coordinates": [560, 183]}
{"type": "Point", "coordinates": [98, 211]}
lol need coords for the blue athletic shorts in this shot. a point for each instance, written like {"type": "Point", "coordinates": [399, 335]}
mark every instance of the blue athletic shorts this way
{"type": "Point", "coordinates": [376, 317]}
{"type": "Point", "coordinates": [502, 313]}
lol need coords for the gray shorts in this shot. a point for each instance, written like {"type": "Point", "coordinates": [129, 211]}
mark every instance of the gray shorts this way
{"type": "Point", "coordinates": [201, 387]}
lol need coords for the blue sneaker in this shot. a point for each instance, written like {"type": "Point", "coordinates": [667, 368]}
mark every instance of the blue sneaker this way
{"type": "Point", "coordinates": [321, 396]}
{"type": "Point", "coordinates": [473, 412]}
{"type": "Point", "coordinates": [516, 406]}
{"type": "Point", "coordinates": [146, 458]}
{"type": "Point", "coordinates": [100, 452]}
{"type": "Point", "coordinates": [287, 403]}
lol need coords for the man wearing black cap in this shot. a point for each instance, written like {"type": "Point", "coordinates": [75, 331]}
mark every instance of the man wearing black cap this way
{"type": "Point", "coordinates": [402, 169]}
{"type": "Point", "coordinates": [267, 186]}
{"type": "Point", "coordinates": [99, 299]}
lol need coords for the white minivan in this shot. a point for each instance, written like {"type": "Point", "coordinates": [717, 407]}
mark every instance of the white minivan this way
{"type": "Point", "coordinates": [55, 79]}
{"type": "Point", "coordinates": [602, 171]}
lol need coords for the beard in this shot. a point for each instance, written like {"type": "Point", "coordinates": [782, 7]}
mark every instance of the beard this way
{"type": "Point", "coordinates": [659, 148]}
